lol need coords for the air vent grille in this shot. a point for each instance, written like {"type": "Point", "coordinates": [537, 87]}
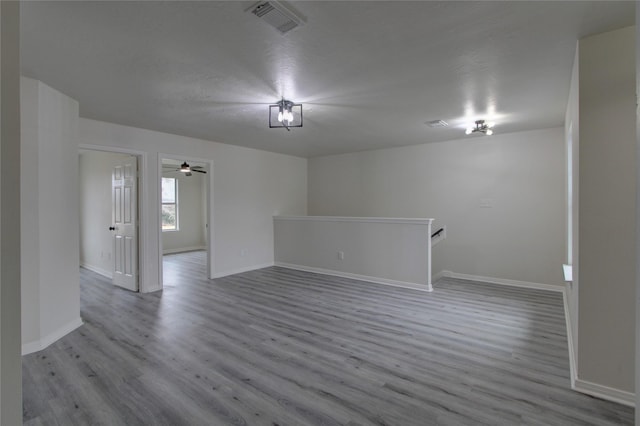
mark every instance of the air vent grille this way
{"type": "Point", "coordinates": [437, 123]}
{"type": "Point", "coordinates": [276, 14]}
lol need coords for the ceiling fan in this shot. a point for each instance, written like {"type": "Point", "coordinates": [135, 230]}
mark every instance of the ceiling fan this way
{"type": "Point", "coordinates": [186, 169]}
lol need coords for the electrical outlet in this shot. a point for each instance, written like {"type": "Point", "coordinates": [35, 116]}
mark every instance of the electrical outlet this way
{"type": "Point", "coordinates": [341, 255]}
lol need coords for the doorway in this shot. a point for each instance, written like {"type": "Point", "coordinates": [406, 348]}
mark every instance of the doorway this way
{"type": "Point", "coordinates": [185, 216]}
{"type": "Point", "coordinates": [108, 216]}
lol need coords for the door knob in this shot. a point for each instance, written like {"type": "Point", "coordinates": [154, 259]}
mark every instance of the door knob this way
{"type": "Point", "coordinates": [112, 228]}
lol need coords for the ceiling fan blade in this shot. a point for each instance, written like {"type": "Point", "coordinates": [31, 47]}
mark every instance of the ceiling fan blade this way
{"type": "Point", "coordinates": [184, 168]}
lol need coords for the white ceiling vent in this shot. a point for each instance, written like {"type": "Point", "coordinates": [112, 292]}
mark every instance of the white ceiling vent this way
{"type": "Point", "coordinates": [437, 123]}
{"type": "Point", "coordinates": [278, 15]}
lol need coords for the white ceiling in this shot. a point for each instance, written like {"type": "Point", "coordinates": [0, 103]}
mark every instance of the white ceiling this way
{"type": "Point", "coordinates": [370, 74]}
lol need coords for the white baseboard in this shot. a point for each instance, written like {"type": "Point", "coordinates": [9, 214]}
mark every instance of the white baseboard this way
{"type": "Point", "coordinates": [605, 392]}
{"type": "Point", "coordinates": [502, 281]}
{"type": "Point", "coordinates": [38, 345]}
{"type": "Point", "coordinates": [377, 280]}
{"type": "Point", "coordinates": [97, 270]}
{"type": "Point", "coordinates": [438, 276]}
{"type": "Point", "coordinates": [241, 270]}
{"type": "Point", "coordinates": [149, 289]}
{"type": "Point", "coordinates": [183, 249]}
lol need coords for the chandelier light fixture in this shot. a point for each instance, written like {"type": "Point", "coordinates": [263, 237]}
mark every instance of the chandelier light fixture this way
{"type": "Point", "coordinates": [481, 127]}
{"type": "Point", "coordinates": [285, 114]}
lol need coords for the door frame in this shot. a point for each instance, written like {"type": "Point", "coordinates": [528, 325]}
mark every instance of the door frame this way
{"type": "Point", "coordinates": [142, 196]}
{"type": "Point", "coordinates": [209, 211]}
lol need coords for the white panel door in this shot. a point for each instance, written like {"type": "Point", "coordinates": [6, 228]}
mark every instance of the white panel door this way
{"type": "Point", "coordinates": [124, 216]}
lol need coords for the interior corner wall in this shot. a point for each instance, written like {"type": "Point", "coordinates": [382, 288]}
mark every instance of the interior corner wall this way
{"type": "Point", "coordinates": [501, 198]}
{"type": "Point", "coordinates": [49, 225]}
{"type": "Point", "coordinates": [10, 339]}
{"type": "Point", "coordinates": [96, 240]}
{"type": "Point", "coordinates": [191, 215]}
{"type": "Point", "coordinates": [572, 143]}
{"type": "Point", "coordinates": [249, 187]}
{"type": "Point", "coordinates": [637, 375]}
{"type": "Point", "coordinates": [607, 210]}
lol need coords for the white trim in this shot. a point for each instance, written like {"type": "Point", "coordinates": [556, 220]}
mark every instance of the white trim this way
{"type": "Point", "coordinates": [152, 289]}
{"type": "Point", "coordinates": [38, 345]}
{"type": "Point", "coordinates": [97, 270]}
{"type": "Point", "coordinates": [184, 249]}
{"type": "Point", "coordinates": [605, 392]}
{"type": "Point", "coordinates": [377, 280]}
{"type": "Point", "coordinates": [408, 221]}
{"type": "Point", "coordinates": [210, 247]}
{"type": "Point", "coordinates": [244, 269]}
{"type": "Point", "coordinates": [567, 270]}
{"type": "Point", "coordinates": [502, 281]}
{"type": "Point", "coordinates": [438, 276]}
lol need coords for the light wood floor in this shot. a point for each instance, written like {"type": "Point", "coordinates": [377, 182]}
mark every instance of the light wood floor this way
{"type": "Point", "coordinates": [280, 347]}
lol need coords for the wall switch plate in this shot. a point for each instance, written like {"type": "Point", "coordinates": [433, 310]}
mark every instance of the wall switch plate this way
{"type": "Point", "coordinates": [341, 255]}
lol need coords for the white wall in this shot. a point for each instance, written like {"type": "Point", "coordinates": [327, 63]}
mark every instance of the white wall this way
{"type": "Point", "coordinates": [10, 360]}
{"type": "Point", "coordinates": [49, 202]}
{"type": "Point", "coordinates": [607, 210]}
{"type": "Point", "coordinates": [249, 187]}
{"type": "Point", "coordinates": [572, 143]}
{"type": "Point", "coordinates": [521, 175]}
{"type": "Point", "coordinates": [96, 241]}
{"type": "Point", "coordinates": [388, 251]}
{"type": "Point", "coordinates": [191, 214]}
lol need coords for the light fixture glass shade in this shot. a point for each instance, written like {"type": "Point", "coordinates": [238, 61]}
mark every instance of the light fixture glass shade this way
{"type": "Point", "coordinates": [184, 168]}
{"type": "Point", "coordinates": [481, 127]}
{"type": "Point", "coordinates": [283, 113]}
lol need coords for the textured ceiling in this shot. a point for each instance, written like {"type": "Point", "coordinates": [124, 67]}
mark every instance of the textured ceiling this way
{"type": "Point", "coordinates": [370, 74]}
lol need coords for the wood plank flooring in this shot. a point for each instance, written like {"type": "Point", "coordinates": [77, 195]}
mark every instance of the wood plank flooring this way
{"type": "Point", "coordinates": [281, 347]}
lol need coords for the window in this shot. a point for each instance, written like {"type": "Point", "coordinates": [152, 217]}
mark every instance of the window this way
{"type": "Point", "coordinates": [169, 204]}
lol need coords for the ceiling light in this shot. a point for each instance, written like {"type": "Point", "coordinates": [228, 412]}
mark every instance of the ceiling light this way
{"type": "Point", "coordinates": [480, 127]}
{"type": "Point", "coordinates": [288, 114]}
{"type": "Point", "coordinates": [184, 168]}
